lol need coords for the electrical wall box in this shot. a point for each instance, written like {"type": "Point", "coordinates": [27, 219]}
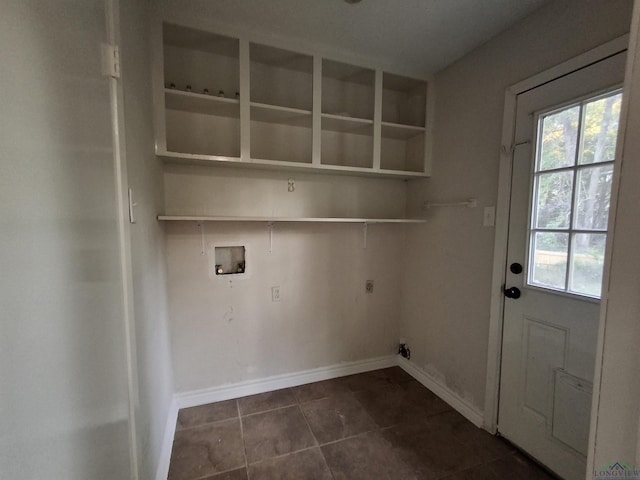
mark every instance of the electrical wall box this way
{"type": "Point", "coordinates": [230, 260]}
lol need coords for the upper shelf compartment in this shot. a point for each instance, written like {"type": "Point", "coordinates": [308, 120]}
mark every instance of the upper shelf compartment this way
{"type": "Point", "coordinates": [404, 104]}
{"type": "Point", "coordinates": [404, 100]}
{"type": "Point", "coordinates": [281, 78]}
{"type": "Point", "coordinates": [202, 84]}
{"type": "Point", "coordinates": [281, 85]}
{"type": "Point", "coordinates": [347, 90]}
{"type": "Point", "coordinates": [348, 105]}
{"type": "Point", "coordinates": [201, 62]}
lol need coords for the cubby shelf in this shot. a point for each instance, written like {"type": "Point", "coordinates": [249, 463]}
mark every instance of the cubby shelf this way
{"type": "Point", "coordinates": [262, 112]}
{"type": "Point", "coordinates": [399, 131]}
{"type": "Point", "coordinates": [171, 218]}
{"type": "Point", "coordinates": [341, 123]}
{"type": "Point", "coordinates": [201, 103]}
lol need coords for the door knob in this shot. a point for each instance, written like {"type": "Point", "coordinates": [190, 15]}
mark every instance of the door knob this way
{"type": "Point", "coordinates": [513, 292]}
{"type": "Point", "coordinates": [515, 268]}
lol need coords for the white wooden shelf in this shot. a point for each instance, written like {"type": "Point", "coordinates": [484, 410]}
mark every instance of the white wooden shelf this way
{"type": "Point", "coordinates": [341, 123]}
{"type": "Point", "coordinates": [199, 159]}
{"type": "Point", "coordinates": [172, 218]}
{"type": "Point", "coordinates": [262, 112]}
{"type": "Point", "coordinates": [201, 103]}
{"type": "Point", "coordinates": [400, 131]}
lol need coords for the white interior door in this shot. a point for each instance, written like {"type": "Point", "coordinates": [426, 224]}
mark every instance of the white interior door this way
{"type": "Point", "coordinates": [564, 141]}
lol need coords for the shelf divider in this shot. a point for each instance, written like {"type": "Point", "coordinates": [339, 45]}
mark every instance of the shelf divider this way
{"type": "Point", "coordinates": [377, 119]}
{"type": "Point", "coordinates": [316, 129]}
{"type": "Point", "coordinates": [245, 108]}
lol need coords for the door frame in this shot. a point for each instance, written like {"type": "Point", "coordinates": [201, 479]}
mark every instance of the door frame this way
{"type": "Point", "coordinates": [121, 190]}
{"type": "Point", "coordinates": [496, 318]}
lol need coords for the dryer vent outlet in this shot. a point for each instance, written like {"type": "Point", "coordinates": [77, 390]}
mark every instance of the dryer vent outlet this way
{"type": "Point", "coordinates": [405, 351]}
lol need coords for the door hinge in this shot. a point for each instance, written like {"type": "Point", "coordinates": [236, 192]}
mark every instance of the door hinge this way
{"type": "Point", "coordinates": [110, 60]}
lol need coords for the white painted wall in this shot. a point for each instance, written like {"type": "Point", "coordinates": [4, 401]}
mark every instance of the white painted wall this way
{"type": "Point", "coordinates": [226, 332]}
{"type": "Point", "coordinates": [63, 378]}
{"type": "Point", "coordinates": [447, 277]}
{"type": "Point", "coordinates": [615, 435]}
{"type": "Point", "coordinates": [155, 382]}
{"type": "Point", "coordinates": [192, 190]}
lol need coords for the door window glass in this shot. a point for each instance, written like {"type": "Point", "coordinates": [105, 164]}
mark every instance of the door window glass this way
{"type": "Point", "coordinates": [571, 195]}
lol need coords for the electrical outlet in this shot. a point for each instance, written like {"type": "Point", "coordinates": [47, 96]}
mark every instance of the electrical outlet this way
{"type": "Point", "coordinates": [275, 294]}
{"type": "Point", "coordinates": [368, 286]}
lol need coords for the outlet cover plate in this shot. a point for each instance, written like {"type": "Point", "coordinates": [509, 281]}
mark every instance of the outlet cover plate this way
{"type": "Point", "coordinates": [275, 294]}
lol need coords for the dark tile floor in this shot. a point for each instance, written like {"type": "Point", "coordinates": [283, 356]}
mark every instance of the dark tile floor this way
{"type": "Point", "coordinates": [372, 426]}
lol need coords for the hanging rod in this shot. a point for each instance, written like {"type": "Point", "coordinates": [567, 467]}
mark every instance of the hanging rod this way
{"type": "Point", "coordinates": [470, 203]}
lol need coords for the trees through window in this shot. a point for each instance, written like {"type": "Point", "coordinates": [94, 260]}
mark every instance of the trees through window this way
{"type": "Point", "coordinates": [572, 181]}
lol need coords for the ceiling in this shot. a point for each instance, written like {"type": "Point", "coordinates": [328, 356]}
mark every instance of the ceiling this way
{"type": "Point", "coordinates": [420, 35]}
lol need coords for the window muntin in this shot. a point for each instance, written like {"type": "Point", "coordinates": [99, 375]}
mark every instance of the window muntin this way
{"type": "Point", "coordinates": [571, 196]}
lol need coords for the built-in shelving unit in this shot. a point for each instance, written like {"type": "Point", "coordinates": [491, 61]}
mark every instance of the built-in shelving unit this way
{"type": "Point", "coordinates": [237, 102]}
{"type": "Point", "coordinates": [171, 218]}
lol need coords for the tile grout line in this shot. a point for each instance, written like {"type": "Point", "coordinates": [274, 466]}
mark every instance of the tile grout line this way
{"type": "Point", "coordinates": [244, 448]}
{"type": "Point", "coordinates": [319, 446]}
{"type": "Point", "coordinates": [208, 477]}
{"type": "Point", "coordinates": [240, 415]}
{"type": "Point", "coordinates": [350, 437]}
{"type": "Point", "coordinates": [205, 424]}
{"type": "Point", "coordinates": [315, 439]}
{"type": "Point", "coordinates": [288, 454]}
{"type": "Point", "coordinates": [324, 459]}
{"type": "Point", "coordinates": [269, 410]}
{"type": "Point", "coordinates": [306, 422]}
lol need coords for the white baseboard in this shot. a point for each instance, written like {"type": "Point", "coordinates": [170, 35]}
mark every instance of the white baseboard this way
{"type": "Point", "coordinates": [276, 382]}
{"type": "Point", "coordinates": [162, 471]}
{"type": "Point", "coordinates": [464, 408]}
{"type": "Point", "coordinates": [252, 387]}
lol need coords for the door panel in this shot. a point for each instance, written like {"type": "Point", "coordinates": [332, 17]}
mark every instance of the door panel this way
{"type": "Point", "coordinates": [549, 337]}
